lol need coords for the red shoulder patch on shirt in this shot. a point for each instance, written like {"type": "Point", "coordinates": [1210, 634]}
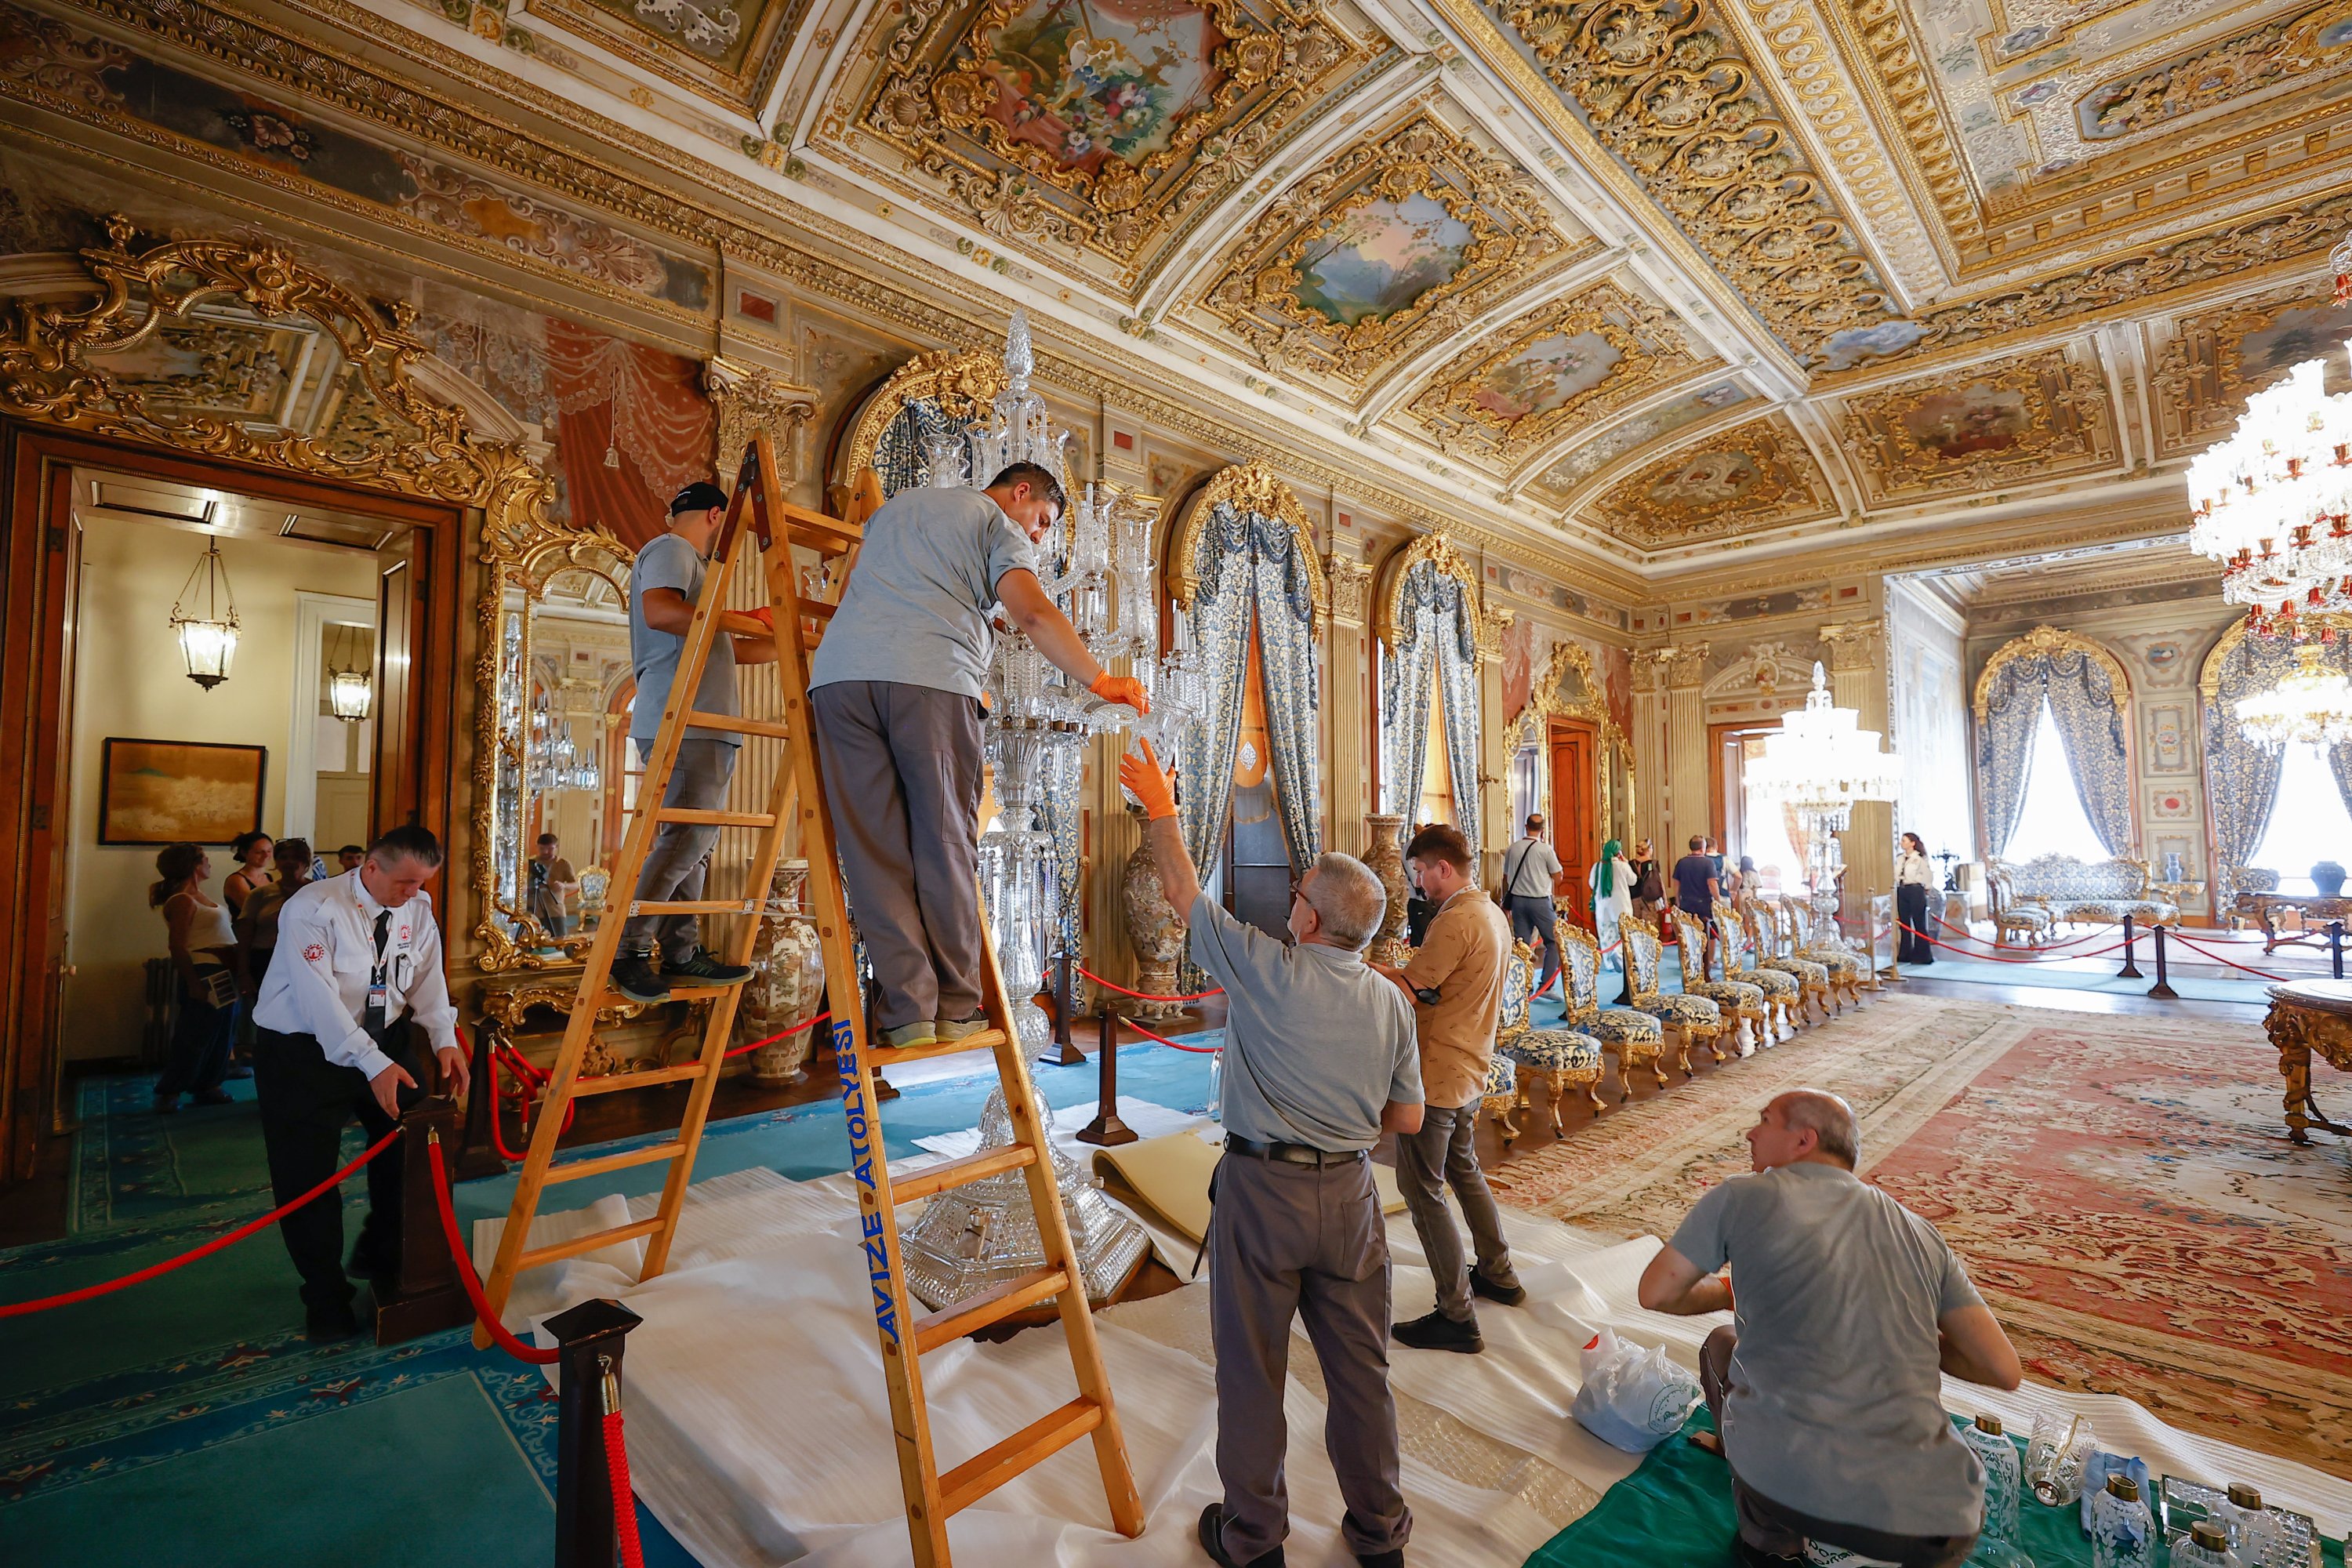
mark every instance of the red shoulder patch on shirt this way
{"type": "Point", "coordinates": [314, 952]}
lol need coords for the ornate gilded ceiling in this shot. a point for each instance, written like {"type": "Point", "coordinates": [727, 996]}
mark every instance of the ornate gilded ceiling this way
{"type": "Point", "coordinates": [1638, 278]}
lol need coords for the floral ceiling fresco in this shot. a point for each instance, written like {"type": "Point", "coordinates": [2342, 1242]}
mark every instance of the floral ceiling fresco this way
{"type": "Point", "coordinates": [729, 50]}
{"type": "Point", "coordinates": [1759, 475]}
{"type": "Point", "coordinates": [2044, 417]}
{"type": "Point", "coordinates": [1561, 482]}
{"type": "Point", "coordinates": [1106, 124]}
{"type": "Point", "coordinates": [1513, 391]}
{"type": "Point", "coordinates": [2211, 360]}
{"type": "Point", "coordinates": [1385, 247]}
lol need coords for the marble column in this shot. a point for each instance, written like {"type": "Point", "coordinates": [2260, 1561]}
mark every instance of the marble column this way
{"type": "Point", "coordinates": [1494, 829]}
{"type": "Point", "coordinates": [1857, 661]}
{"type": "Point", "coordinates": [1348, 703]}
{"type": "Point", "coordinates": [1649, 742]}
{"type": "Point", "coordinates": [1687, 809]}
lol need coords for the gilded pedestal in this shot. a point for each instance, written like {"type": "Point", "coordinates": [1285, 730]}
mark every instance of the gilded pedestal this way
{"type": "Point", "coordinates": [2310, 1016]}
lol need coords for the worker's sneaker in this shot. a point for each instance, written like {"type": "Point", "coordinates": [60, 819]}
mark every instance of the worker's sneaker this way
{"type": "Point", "coordinates": [330, 1321]}
{"type": "Point", "coordinates": [1505, 1296]}
{"type": "Point", "coordinates": [704, 970]}
{"type": "Point", "coordinates": [960, 1028]}
{"type": "Point", "coordinates": [634, 977]}
{"type": "Point", "coordinates": [1213, 1542]}
{"type": "Point", "coordinates": [907, 1034]}
{"type": "Point", "coordinates": [1438, 1332]}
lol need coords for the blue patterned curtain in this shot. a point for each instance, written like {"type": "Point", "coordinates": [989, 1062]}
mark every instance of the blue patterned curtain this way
{"type": "Point", "coordinates": [1458, 677]}
{"type": "Point", "coordinates": [1286, 641]}
{"type": "Point", "coordinates": [1437, 637]}
{"type": "Point", "coordinates": [2012, 709]}
{"type": "Point", "coordinates": [1404, 712]}
{"type": "Point", "coordinates": [2091, 727]}
{"type": "Point", "coordinates": [2241, 778]}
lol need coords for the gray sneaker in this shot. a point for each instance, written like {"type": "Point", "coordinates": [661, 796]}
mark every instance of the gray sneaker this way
{"type": "Point", "coordinates": [960, 1028]}
{"type": "Point", "coordinates": [633, 976]}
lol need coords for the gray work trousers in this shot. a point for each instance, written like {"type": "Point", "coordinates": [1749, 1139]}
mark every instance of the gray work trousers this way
{"type": "Point", "coordinates": [1443, 1154]}
{"type": "Point", "coordinates": [902, 775]}
{"type": "Point", "coordinates": [680, 859]}
{"type": "Point", "coordinates": [1781, 1532]}
{"type": "Point", "coordinates": [1293, 1239]}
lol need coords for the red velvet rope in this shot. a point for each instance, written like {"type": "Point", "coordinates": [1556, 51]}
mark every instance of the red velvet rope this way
{"type": "Point", "coordinates": [1968, 935]}
{"type": "Point", "coordinates": [464, 1261]}
{"type": "Point", "coordinates": [1172, 1045]}
{"type": "Point", "coordinates": [1142, 995]}
{"type": "Point", "coordinates": [2199, 947]}
{"type": "Point", "coordinates": [625, 1507]}
{"type": "Point", "coordinates": [42, 1304]}
{"type": "Point", "coordinates": [1990, 958]}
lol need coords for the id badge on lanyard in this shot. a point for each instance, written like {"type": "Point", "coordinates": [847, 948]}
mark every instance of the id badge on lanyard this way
{"type": "Point", "coordinates": [379, 994]}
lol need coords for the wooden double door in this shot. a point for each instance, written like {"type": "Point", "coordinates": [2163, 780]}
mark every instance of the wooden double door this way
{"type": "Point", "coordinates": [1575, 745]}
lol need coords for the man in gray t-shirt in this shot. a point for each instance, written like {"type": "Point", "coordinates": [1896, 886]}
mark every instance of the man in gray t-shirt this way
{"type": "Point", "coordinates": [894, 690]}
{"type": "Point", "coordinates": [1824, 1388]}
{"type": "Point", "coordinates": [664, 584]}
{"type": "Point", "coordinates": [1320, 1060]}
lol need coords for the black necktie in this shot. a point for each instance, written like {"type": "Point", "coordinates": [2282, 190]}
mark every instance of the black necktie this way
{"type": "Point", "coordinates": [373, 1021]}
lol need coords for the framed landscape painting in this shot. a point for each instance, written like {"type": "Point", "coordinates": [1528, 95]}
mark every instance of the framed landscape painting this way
{"type": "Point", "coordinates": [162, 792]}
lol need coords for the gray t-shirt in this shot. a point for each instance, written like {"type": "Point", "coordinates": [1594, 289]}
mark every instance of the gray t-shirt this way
{"type": "Point", "coordinates": [1316, 1041]}
{"type": "Point", "coordinates": [669, 562]}
{"type": "Point", "coordinates": [1835, 1405]}
{"type": "Point", "coordinates": [917, 608]}
{"type": "Point", "coordinates": [1528, 867]}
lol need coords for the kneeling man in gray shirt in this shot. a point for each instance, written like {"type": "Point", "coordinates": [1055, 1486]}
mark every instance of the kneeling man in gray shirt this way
{"type": "Point", "coordinates": [1824, 1388]}
{"type": "Point", "coordinates": [1320, 1061]}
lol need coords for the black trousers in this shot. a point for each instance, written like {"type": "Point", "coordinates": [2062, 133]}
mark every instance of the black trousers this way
{"type": "Point", "coordinates": [1911, 909]}
{"type": "Point", "coordinates": [306, 1104]}
{"type": "Point", "coordinates": [1532, 915]}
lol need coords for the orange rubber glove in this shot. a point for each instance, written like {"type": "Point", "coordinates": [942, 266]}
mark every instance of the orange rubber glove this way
{"type": "Point", "coordinates": [765, 614]}
{"type": "Point", "coordinates": [1122, 689]}
{"type": "Point", "coordinates": [1144, 780]}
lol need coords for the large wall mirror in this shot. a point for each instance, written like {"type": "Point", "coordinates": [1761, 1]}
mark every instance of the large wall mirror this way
{"type": "Point", "coordinates": [561, 774]}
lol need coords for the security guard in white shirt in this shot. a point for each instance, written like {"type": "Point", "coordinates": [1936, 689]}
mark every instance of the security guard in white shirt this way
{"type": "Point", "coordinates": [357, 957]}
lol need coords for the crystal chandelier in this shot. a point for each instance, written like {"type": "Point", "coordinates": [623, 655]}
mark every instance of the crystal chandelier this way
{"type": "Point", "coordinates": [2313, 707]}
{"type": "Point", "coordinates": [207, 638]}
{"type": "Point", "coordinates": [1039, 723]}
{"type": "Point", "coordinates": [551, 758]}
{"type": "Point", "coordinates": [1819, 763]}
{"type": "Point", "coordinates": [2274, 502]}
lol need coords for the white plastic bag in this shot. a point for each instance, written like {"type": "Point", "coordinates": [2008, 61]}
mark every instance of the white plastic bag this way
{"type": "Point", "coordinates": [1633, 1399]}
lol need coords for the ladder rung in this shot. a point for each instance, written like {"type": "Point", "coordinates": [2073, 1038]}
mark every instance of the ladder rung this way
{"type": "Point", "coordinates": [608, 997]}
{"type": "Point", "coordinates": [688, 814]}
{"type": "Point", "coordinates": [887, 1055]}
{"type": "Point", "coordinates": [773, 729]}
{"type": "Point", "coordinates": [917, 1186]}
{"type": "Point", "coordinates": [589, 1243]}
{"type": "Point", "coordinates": [816, 530]}
{"type": "Point", "coordinates": [993, 1465]}
{"type": "Point", "coordinates": [821, 609]}
{"type": "Point", "coordinates": [579, 1170]}
{"type": "Point", "coordinates": [990, 1305]}
{"type": "Point", "coordinates": [606, 1082]}
{"type": "Point", "coordinates": [694, 907]}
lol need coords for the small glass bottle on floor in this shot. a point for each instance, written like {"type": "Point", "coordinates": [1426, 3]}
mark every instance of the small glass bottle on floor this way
{"type": "Point", "coordinates": [2123, 1535]}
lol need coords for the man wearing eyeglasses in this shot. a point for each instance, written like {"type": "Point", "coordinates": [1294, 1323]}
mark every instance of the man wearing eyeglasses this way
{"type": "Point", "coordinates": [1320, 1060]}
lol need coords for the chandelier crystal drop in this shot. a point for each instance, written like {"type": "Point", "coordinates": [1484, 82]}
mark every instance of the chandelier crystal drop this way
{"type": "Point", "coordinates": [2274, 502]}
{"type": "Point", "coordinates": [2313, 707]}
{"type": "Point", "coordinates": [205, 620]}
{"type": "Point", "coordinates": [552, 762]}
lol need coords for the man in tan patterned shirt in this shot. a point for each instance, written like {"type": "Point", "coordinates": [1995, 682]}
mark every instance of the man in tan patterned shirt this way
{"type": "Point", "coordinates": [1456, 980]}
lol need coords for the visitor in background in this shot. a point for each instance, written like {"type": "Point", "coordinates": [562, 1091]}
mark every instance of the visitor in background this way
{"type": "Point", "coordinates": [1824, 1386]}
{"type": "Point", "coordinates": [554, 887]}
{"type": "Point", "coordinates": [204, 959]}
{"type": "Point", "coordinates": [348, 859]}
{"type": "Point", "coordinates": [1649, 890]}
{"type": "Point", "coordinates": [1747, 883]}
{"type": "Point", "coordinates": [1696, 887]}
{"type": "Point", "coordinates": [257, 923]}
{"type": "Point", "coordinates": [1914, 875]}
{"type": "Point", "coordinates": [1529, 870]}
{"type": "Point", "coordinates": [1611, 881]}
{"type": "Point", "coordinates": [252, 853]}
{"type": "Point", "coordinates": [1420, 908]}
{"type": "Point", "coordinates": [1456, 985]}
{"type": "Point", "coordinates": [1320, 1061]}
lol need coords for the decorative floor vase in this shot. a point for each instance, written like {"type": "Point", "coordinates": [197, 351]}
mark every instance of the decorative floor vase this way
{"type": "Point", "coordinates": [1385, 856]}
{"type": "Point", "coordinates": [1154, 929]}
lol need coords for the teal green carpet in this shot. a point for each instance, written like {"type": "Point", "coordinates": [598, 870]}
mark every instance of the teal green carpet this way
{"type": "Point", "coordinates": [187, 1420]}
{"type": "Point", "coordinates": [1676, 1510]}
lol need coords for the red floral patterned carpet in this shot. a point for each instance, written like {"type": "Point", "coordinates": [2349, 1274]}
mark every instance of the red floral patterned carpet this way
{"type": "Point", "coordinates": [2121, 1187]}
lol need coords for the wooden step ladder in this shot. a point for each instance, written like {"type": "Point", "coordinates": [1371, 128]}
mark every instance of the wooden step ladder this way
{"type": "Point", "coordinates": [932, 1498]}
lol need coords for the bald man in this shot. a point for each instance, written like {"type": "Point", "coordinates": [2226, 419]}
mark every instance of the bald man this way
{"type": "Point", "coordinates": [1824, 1387]}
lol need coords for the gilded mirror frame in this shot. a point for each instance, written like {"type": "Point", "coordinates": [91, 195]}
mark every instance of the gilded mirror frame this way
{"type": "Point", "coordinates": [1531, 729]}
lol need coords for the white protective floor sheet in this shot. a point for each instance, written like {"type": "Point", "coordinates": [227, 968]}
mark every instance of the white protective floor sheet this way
{"type": "Point", "coordinates": [759, 1430]}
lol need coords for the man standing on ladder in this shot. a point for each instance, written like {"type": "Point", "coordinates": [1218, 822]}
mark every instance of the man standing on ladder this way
{"type": "Point", "coordinates": [663, 584]}
{"type": "Point", "coordinates": [894, 690]}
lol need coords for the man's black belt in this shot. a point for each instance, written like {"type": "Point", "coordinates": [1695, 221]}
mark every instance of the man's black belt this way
{"type": "Point", "coordinates": [1292, 1153]}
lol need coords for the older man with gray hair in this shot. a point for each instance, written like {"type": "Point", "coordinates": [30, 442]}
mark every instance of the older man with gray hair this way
{"type": "Point", "coordinates": [1320, 1060]}
{"type": "Point", "coordinates": [1823, 1387]}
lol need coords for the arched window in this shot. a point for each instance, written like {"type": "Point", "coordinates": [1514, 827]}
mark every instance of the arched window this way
{"type": "Point", "coordinates": [2049, 819]}
{"type": "Point", "coordinates": [2047, 697]}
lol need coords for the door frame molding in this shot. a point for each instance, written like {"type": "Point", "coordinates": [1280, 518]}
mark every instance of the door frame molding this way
{"type": "Point", "coordinates": [313, 614]}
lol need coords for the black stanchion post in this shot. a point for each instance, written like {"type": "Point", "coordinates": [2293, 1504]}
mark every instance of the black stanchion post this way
{"type": "Point", "coordinates": [2163, 986]}
{"type": "Point", "coordinates": [478, 1152]}
{"type": "Point", "coordinates": [2335, 947]}
{"type": "Point", "coordinates": [425, 1298]}
{"type": "Point", "coordinates": [1106, 1128]}
{"type": "Point", "coordinates": [1065, 1053]}
{"type": "Point", "coordinates": [593, 1336]}
{"type": "Point", "coordinates": [2130, 971]}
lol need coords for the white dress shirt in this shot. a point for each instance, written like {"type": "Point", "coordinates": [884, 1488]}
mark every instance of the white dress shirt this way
{"type": "Point", "coordinates": [317, 979]}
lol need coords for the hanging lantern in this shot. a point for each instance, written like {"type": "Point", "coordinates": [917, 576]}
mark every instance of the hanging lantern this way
{"type": "Point", "coordinates": [207, 636]}
{"type": "Point", "coordinates": [347, 694]}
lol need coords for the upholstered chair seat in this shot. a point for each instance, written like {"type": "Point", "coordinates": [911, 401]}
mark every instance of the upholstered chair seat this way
{"type": "Point", "coordinates": [1637, 1039]}
{"type": "Point", "coordinates": [1691, 1019]}
{"type": "Point", "coordinates": [1558, 1058]}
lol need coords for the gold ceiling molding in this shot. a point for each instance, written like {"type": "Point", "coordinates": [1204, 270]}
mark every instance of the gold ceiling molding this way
{"type": "Point", "coordinates": [2215, 359]}
{"type": "Point", "coordinates": [1511, 239]}
{"type": "Point", "coordinates": [2045, 642]}
{"type": "Point", "coordinates": [1436, 551]}
{"type": "Point", "coordinates": [2039, 418]}
{"type": "Point", "coordinates": [1752, 477]}
{"type": "Point", "coordinates": [1664, 88]}
{"type": "Point", "coordinates": [1247, 487]}
{"type": "Point", "coordinates": [1067, 164]}
{"type": "Point", "coordinates": [2214, 75]}
{"type": "Point", "coordinates": [697, 56]}
{"type": "Point", "coordinates": [1876, 32]}
{"type": "Point", "coordinates": [1575, 359]}
{"type": "Point", "coordinates": [751, 398]}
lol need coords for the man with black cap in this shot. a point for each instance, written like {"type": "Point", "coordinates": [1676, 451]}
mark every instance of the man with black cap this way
{"type": "Point", "coordinates": [663, 584]}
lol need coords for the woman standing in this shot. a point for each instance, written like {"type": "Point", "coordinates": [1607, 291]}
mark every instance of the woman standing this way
{"type": "Point", "coordinates": [252, 853]}
{"type": "Point", "coordinates": [1649, 889]}
{"type": "Point", "coordinates": [1914, 875]}
{"type": "Point", "coordinates": [204, 954]}
{"type": "Point", "coordinates": [257, 923]}
{"type": "Point", "coordinates": [1612, 881]}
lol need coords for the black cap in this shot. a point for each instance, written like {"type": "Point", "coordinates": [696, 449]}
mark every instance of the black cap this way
{"type": "Point", "coordinates": [699, 495]}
